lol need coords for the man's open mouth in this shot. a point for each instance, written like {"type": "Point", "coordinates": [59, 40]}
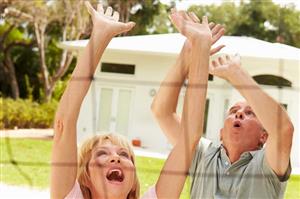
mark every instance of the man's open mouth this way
{"type": "Point", "coordinates": [115, 175]}
{"type": "Point", "coordinates": [237, 124]}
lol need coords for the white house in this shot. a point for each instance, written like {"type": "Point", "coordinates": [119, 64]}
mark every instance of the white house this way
{"type": "Point", "coordinates": [132, 68]}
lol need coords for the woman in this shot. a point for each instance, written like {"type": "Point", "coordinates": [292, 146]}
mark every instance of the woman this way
{"type": "Point", "coordinates": [97, 171]}
{"type": "Point", "coordinates": [106, 162]}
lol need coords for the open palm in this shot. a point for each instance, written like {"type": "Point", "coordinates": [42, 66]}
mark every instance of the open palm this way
{"type": "Point", "coordinates": [108, 20]}
{"type": "Point", "coordinates": [225, 67]}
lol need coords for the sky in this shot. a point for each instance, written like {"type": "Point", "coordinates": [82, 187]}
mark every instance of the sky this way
{"type": "Point", "coordinates": [184, 4]}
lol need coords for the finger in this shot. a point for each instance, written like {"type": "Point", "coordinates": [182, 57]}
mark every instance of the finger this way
{"type": "Point", "coordinates": [89, 7]}
{"type": "Point", "coordinates": [173, 10]}
{"type": "Point", "coordinates": [194, 17]}
{"type": "Point", "coordinates": [116, 16]}
{"type": "Point", "coordinates": [177, 21]}
{"type": "Point", "coordinates": [109, 11]}
{"type": "Point", "coordinates": [211, 69]}
{"type": "Point", "coordinates": [100, 8]}
{"type": "Point", "coordinates": [217, 49]}
{"type": "Point", "coordinates": [211, 25]}
{"type": "Point", "coordinates": [218, 35]}
{"type": "Point", "coordinates": [204, 20]}
{"type": "Point", "coordinates": [221, 60]}
{"type": "Point", "coordinates": [216, 29]}
{"type": "Point", "coordinates": [214, 63]}
{"type": "Point", "coordinates": [128, 26]}
{"type": "Point", "coordinates": [184, 15]}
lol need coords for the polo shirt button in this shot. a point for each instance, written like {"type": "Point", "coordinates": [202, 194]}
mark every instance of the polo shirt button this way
{"type": "Point", "coordinates": [226, 163]}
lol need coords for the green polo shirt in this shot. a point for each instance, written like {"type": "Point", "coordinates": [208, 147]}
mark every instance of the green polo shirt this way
{"type": "Point", "coordinates": [214, 177]}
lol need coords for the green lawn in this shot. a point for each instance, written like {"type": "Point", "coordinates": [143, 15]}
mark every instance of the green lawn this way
{"type": "Point", "coordinates": [26, 162]}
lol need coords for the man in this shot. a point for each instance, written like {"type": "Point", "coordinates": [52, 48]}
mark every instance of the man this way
{"type": "Point", "coordinates": [239, 167]}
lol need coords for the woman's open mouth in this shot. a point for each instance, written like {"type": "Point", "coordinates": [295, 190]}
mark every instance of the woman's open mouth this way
{"type": "Point", "coordinates": [115, 175]}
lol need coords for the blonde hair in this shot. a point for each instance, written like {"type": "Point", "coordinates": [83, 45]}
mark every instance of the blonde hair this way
{"type": "Point", "coordinates": [85, 155]}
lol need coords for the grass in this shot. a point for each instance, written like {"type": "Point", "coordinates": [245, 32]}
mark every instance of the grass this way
{"type": "Point", "coordinates": [25, 162]}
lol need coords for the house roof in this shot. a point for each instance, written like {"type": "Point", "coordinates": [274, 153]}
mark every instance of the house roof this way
{"type": "Point", "coordinates": [171, 44]}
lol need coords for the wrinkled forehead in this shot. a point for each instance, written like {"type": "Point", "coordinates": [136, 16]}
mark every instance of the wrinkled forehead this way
{"type": "Point", "coordinates": [240, 104]}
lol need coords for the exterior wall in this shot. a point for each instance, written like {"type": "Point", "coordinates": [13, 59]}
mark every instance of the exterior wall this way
{"type": "Point", "coordinates": [150, 71]}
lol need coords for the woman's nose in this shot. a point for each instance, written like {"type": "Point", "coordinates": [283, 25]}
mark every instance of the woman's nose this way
{"type": "Point", "coordinates": [115, 159]}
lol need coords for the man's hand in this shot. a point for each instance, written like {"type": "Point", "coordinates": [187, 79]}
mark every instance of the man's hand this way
{"type": "Point", "coordinates": [226, 68]}
{"type": "Point", "coordinates": [107, 21]}
{"type": "Point", "coordinates": [191, 28]}
{"type": "Point", "coordinates": [217, 31]}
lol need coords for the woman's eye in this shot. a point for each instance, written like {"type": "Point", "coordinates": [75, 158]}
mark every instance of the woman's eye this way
{"type": "Point", "coordinates": [124, 154]}
{"type": "Point", "coordinates": [99, 153]}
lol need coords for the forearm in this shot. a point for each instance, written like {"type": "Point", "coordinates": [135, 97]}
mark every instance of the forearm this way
{"type": "Point", "coordinates": [165, 102]}
{"type": "Point", "coordinates": [173, 174]}
{"type": "Point", "coordinates": [195, 98]}
{"type": "Point", "coordinates": [269, 112]}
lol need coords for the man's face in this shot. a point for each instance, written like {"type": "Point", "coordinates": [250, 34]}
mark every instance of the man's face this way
{"type": "Point", "coordinates": [242, 129]}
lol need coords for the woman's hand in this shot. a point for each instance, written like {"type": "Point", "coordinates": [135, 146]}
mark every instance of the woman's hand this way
{"type": "Point", "coordinates": [108, 21]}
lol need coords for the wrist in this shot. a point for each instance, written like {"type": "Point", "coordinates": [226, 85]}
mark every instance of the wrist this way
{"type": "Point", "coordinates": [203, 43]}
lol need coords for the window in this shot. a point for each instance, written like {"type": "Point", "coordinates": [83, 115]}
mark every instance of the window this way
{"type": "Point", "coordinates": [205, 116]}
{"type": "Point", "coordinates": [118, 68]}
{"type": "Point", "coordinates": [272, 80]}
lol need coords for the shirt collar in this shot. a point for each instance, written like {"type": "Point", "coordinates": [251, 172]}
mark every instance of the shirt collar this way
{"type": "Point", "coordinates": [246, 154]}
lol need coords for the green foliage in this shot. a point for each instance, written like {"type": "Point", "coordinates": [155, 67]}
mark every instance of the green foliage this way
{"type": "Point", "coordinates": [26, 114]}
{"type": "Point", "coordinates": [15, 35]}
{"type": "Point", "coordinates": [144, 16]}
{"type": "Point", "coordinates": [260, 19]}
{"type": "Point", "coordinates": [27, 64]}
{"type": "Point", "coordinates": [60, 87]}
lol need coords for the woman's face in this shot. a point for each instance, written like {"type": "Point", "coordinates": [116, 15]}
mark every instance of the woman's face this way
{"type": "Point", "coordinates": [111, 171]}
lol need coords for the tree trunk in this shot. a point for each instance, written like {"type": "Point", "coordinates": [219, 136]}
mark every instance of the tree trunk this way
{"type": "Point", "coordinates": [40, 35]}
{"type": "Point", "coordinates": [11, 73]}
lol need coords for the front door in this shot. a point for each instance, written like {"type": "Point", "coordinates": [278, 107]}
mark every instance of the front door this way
{"type": "Point", "coordinates": [114, 110]}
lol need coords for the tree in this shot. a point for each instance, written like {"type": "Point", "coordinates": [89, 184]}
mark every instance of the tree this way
{"type": "Point", "coordinates": [141, 12]}
{"type": "Point", "coordinates": [51, 22]}
{"type": "Point", "coordinates": [260, 19]}
{"type": "Point", "coordinates": [38, 15]}
{"type": "Point", "coordinates": [11, 35]}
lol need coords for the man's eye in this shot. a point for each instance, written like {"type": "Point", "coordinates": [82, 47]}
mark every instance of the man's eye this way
{"type": "Point", "coordinates": [233, 111]}
{"type": "Point", "coordinates": [250, 113]}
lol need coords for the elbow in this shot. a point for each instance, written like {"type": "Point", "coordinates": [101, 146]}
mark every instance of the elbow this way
{"type": "Point", "coordinates": [289, 129]}
{"type": "Point", "coordinates": [156, 110]}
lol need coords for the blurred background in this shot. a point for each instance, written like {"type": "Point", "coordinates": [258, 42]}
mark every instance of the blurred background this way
{"type": "Point", "coordinates": [37, 58]}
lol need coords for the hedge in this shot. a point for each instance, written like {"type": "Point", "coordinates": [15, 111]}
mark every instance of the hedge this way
{"type": "Point", "coordinates": [24, 113]}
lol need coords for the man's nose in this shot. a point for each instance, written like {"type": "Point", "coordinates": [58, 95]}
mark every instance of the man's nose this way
{"type": "Point", "coordinates": [239, 115]}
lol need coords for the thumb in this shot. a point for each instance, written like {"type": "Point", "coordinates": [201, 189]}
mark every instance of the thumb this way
{"type": "Point", "coordinates": [127, 26]}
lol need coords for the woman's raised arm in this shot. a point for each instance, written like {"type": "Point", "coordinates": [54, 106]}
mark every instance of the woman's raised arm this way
{"type": "Point", "coordinates": [64, 151]}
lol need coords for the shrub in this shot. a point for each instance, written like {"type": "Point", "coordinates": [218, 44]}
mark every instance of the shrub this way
{"type": "Point", "coordinates": [26, 113]}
